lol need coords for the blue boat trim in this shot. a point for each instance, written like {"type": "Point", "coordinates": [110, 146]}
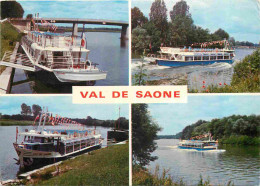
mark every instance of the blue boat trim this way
{"type": "Point", "coordinates": [170, 63]}
{"type": "Point", "coordinates": [198, 149]}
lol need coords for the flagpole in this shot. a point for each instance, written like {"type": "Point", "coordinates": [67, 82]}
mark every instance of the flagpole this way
{"type": "Point", "coordinates": [80, 42]}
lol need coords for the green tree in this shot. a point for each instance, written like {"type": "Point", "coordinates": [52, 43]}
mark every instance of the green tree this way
{"type": "Point", "coordinates": [139, 77]}
{"type": "Point", "coordinates": [222, 34]}
{"type": "Point", "coordinates": [36, 109]}
{"type": "Point", "coordinates": [180, 9]}
{"type": "Point", "coordinates": [137, 18]}
{"type": "Point", "coordinates": [144, 131]}
{"type": "Point", "coordinates": [25, 109]}
{"type": "Point", "coordinates": [11, 9]}
{"type": "Point", "coordinates": [140, 40]}
{"type": "Point", "coordinates": [155, 36]}
{"type": "Point", "coordinates": [29, 16]}
{"type": "Point", "coordinates": [158, 16]}
{"type": "Point", "coordinates": [181, 28]}
{"type": "Point", "coordinates": [232, 41]}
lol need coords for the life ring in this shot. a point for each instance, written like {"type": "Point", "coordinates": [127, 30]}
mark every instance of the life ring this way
{"type": "Point", "coordinates": [55, 132]}
{"type": "Point", "coordinates": [86, 133]}
{"type": "Point", "coordinates": [75, 134]}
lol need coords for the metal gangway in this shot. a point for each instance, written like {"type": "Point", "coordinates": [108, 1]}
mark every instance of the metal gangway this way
{"type": "Point", "coordinates": [17, 60]}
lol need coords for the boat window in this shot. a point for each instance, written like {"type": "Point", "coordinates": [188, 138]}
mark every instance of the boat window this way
{"type": "Point", "coordinates": [188, 58]}
{"type": "Point", "coordinates": [226, 57]}
{"type": "Point", "coordinates": [205, 57]}
{"type": "Point", "coordinates": [213, 57]}
{"type": "Point", "coordinates": [220, 57]}
{"type": "Point", "coordinates": [196, 58]}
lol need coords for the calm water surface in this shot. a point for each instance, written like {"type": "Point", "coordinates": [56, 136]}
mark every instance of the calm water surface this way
{"type": "Point", "coordinates": [8, 168]}
{"type": "Point", "coordinates": [241, 165]}
{"type": "Point", "coordinates": [105, 48]}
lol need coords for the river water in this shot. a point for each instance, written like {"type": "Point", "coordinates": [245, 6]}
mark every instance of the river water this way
{"type": "Point", "coordinates": [198, 77]}
{"type": "Point", "coordinates": [240, 165]}
{"type": "Point", "coordinates": [106, 49]}
{"type": "Point", "coordinates": [8, 167]}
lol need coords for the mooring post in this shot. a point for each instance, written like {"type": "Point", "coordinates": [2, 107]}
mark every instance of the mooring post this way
{"type": "Point", "coordinates": [75, 29]}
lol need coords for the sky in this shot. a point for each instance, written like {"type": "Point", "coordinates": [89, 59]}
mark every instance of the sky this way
{"type": "Point", "coordinates": [88, 9]}
{"type": "Point", "coordinates": [63, 106]}
{"type": "Point", "coordinates": [174, 117]}
{"type": "Point", "coordinates": [240, 18]}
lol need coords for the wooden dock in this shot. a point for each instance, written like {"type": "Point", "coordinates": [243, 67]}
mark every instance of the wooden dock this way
{"type": "Point", "coordinates": [6, 76]}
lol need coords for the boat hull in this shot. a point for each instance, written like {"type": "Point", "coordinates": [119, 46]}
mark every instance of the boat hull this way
{"type": "Point", "coordinates": [74, 76]}
{"type": "Point", "coordinates": [34, 159]}
{"type": "Point", "coordinates": [198, 149]}
{"type": "Point", "coordinates": [171, 63]}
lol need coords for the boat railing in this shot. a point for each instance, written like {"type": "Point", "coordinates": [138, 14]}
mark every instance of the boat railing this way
{"type": "Point", "coordinates": [59, 41]}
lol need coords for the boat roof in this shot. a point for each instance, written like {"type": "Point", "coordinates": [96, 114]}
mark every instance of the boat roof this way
{"type": "Point", "coordinates": [35, 134]}
{"type": "Point", "coordinates": [58, 49]}
{"type": "Point", "coordinates": [48, 33]}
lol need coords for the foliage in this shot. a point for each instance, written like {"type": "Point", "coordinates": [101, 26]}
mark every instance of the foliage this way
{"type": "Point", "coordinates": [140, 39]}
{"type": "Point", "coordinates": [235, 129]}
{"type": "Point", "coordinates": [180, 31]}
{"type": "Point", "coordinates": [26, 110]}
{"type": "Point", "coordinates": [11, 9]}
{"type": "Point", "coordinates": [107, 166]}
{"type": "Point", "coordinates": [158, 16]}
{"type": "Point", "coordinates": [139, 77]}
{"type": "Point", "coordinates": [137, 18]}
{"type": "Point", "coordinates": [155, 36]}
{"type": "Point", "coordinates": [246, 77]}
{"type": "Point", "coordinates": [240, 140]}
{"type": "Point", "coordinates": [9, 36]}
{"type": "Point", "coordinates": [141, 176]}
{"type": "Point", "coordinates": [29, 16]}
{"type": "Point", "coordinates": [144, 133]}
{"type": "Point", "coordinates": [180, 9]}
{"type": "Point", "coordinates": [222, 34]}
{"type": "Point", "coordinates": [36, 109]}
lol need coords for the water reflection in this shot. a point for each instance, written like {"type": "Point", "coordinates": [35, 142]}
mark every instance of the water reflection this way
{"type": "Point", "coordinates": [237, 164]}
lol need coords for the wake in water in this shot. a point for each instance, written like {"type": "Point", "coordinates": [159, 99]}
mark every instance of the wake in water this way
{"type": "Point", "coordinates": [198, 77]}
{"type": "Point", "coordinates": [194, 150]}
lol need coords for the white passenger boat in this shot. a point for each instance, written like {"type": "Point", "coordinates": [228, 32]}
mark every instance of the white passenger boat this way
{"type": "Point", "coordinates": [176, 57]}
{"type": "Point", "coordinates": [198, 145]}
{"type": "Point", "coordinates": [64, 55]}
{"type": "Point", "coordinates": [41, 145]}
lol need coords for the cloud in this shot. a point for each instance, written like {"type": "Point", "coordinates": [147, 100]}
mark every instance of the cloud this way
{"type": "Point", "coordinates": [240, 18]}
{"type": "Point", "coordinates": [174, 117]}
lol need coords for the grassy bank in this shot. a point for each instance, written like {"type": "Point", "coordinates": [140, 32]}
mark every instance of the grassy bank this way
{"type": "Point", "coordinates": [141, 176]}
{"type": "Point", "coordinates": [240, 140]}
{"type": "Point", "coordinates": [108, 166]}
{"type": "Point", "coordinates": [9, 36]}
{"type": "Point", "coordinates": [8, 122]}
{"type": "Point", "coordinates": [4, 122]}
{"type": "Point", "coordinates": [246, 77]}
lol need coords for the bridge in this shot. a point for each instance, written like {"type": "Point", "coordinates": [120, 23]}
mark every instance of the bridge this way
{"type": "Point", "coordinates": [26, 23]}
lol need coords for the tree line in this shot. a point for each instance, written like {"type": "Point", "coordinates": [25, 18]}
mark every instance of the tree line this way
{"type": "Point", "coordinates": [235, 125]}
{"type": "Point", "coordinates": [150, 34]}
{"type": "Point", "coordinates": [29, 113]}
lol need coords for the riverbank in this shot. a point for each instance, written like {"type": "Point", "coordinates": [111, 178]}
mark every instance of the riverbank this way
{"type": "Point", "coordinates": [7, 122]}
{"type": "Point", "coordinates": [9, 37]}
{"type": "Point", "coordinates": [107, 166]}
{"type": "Point", "coordinates": [240, 140]}
{"type": "Point", "coordinates": [141, 176]}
